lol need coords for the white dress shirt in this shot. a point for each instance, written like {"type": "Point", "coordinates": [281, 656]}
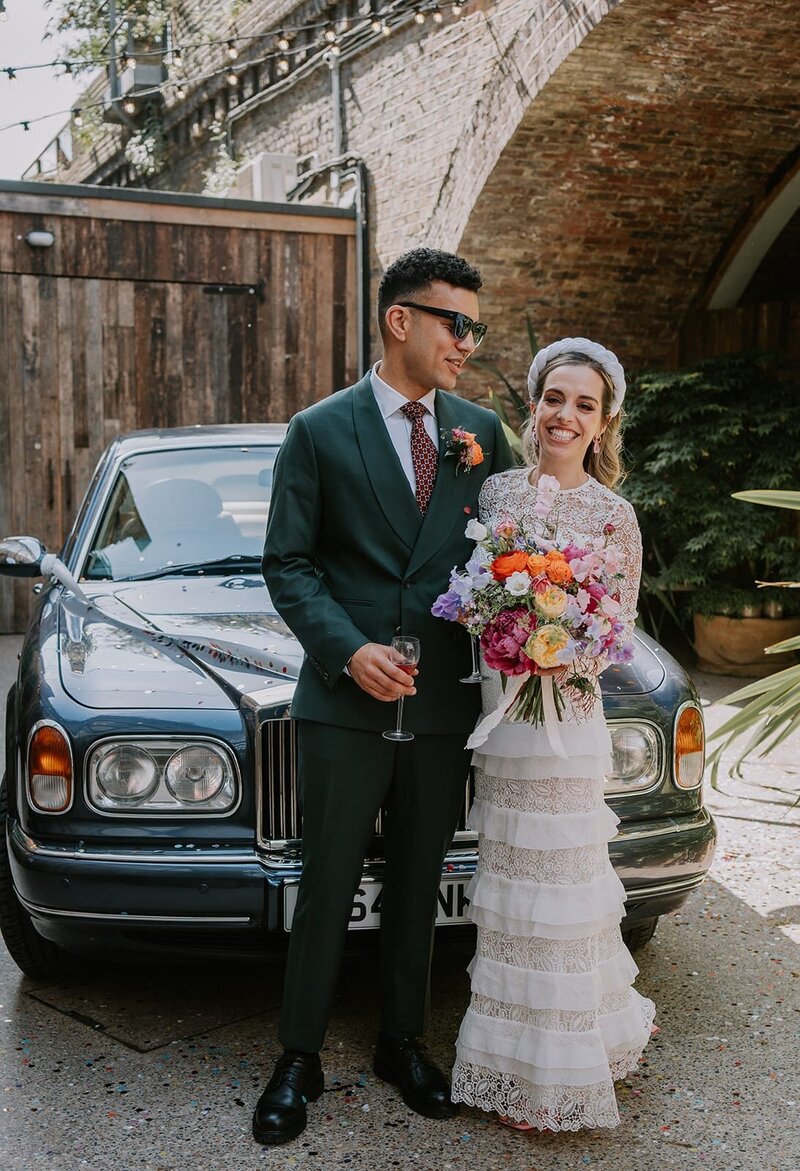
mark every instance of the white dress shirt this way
{"type": "Point", "coordinates": [390, 404]}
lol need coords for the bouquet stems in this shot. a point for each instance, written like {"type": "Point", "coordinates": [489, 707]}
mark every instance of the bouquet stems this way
{"type": "Point", "coordinates": [528, 706]}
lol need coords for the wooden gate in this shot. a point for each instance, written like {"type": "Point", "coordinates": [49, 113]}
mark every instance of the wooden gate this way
{"type": "Point", "coordinates": [153, 310]}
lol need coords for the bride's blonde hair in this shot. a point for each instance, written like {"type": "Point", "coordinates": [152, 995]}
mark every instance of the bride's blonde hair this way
{"type": "Point", "coordinates": [605, 465]}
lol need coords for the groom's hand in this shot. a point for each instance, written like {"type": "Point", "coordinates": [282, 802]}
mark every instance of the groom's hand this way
{"type": "Point", "coordinates": [374, 670]}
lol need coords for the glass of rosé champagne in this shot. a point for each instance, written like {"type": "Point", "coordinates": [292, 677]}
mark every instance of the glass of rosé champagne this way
{"type": "Point", "coordinates": [406, 652]}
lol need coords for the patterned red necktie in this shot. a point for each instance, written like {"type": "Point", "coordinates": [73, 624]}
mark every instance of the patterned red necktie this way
{"type": "Point", "coordinates": [424, 455]}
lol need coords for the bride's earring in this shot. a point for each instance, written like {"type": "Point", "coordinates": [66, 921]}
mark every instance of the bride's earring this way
{"type": "Point", "coordinates": [596, 445]}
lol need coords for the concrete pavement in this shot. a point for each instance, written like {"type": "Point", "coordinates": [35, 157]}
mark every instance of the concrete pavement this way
{"type": "Point", "coordinates": [158, 1070]}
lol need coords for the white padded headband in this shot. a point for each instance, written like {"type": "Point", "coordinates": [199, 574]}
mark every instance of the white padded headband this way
{"type": "Point", "coordinates": [581, 345]}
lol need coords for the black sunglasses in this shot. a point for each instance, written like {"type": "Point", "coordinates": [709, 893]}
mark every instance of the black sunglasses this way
{"type": "Point", "coordinates": [461, 323]}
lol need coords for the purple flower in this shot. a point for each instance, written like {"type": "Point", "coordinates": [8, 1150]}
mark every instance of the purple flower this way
{"type": "Point", "coordinates": [447, 606]}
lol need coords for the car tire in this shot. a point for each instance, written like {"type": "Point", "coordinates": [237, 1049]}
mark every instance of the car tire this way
{"type": "Point", "coordinates": [636, 937]}
{"type": "Point", "coordinates": [35, 956]}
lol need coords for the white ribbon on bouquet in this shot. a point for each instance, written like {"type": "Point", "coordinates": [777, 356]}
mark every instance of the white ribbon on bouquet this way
{"type": "Point", "coordinates": [551, 720]}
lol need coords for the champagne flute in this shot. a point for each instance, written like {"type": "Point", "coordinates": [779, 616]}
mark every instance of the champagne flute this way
{"type": "Point", "coordinates": [406, 650]}
{"type": "Point", "coordinates": [476, 676]}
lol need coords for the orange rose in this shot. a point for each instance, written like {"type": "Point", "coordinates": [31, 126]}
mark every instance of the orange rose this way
{"type": "Point", "coordinates": [475, 455]}
{"type": "Point", "coordinates": [559, 572]}
{"type": "Point", "coordinates": [537, 564]}
{"type": "Point", "coordinates": [555, 555]}
{"type": "Point", "coordinates": [508, 563]}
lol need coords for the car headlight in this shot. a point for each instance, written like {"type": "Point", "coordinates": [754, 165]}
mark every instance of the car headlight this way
{"type": "Point", "coordinates": [195, 774]}
{"type": "Point", "coordinates": [636, 755]}
{"type": "Point", "coordinates": [151, 775]}
{"type": "Point", "coordinates": [125, 773]}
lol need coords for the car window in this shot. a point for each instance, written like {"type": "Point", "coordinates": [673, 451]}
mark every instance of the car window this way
{"type": "Point", "coordinates": [179, 507]}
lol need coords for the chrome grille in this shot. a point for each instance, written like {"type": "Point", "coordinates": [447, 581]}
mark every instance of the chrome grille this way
{"type": "Point", "coordinates": [280, 818]}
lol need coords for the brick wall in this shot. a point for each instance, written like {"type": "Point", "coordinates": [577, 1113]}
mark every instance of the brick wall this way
{"type": "Point", "coordinates": [594, 159]}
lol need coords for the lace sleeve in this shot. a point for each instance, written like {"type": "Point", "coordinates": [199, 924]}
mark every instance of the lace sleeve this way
{"type": "Point", "coordinates": [629, 539]}
{"type": "Point", "coordinates": [499, 495]}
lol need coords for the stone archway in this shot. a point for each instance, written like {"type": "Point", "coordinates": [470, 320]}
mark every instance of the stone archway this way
{"type": "Point", "coordinates": [627, 174]}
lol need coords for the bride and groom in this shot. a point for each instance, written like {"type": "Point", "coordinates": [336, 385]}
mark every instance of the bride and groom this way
{"type": "Point", "coordinates": [372, 493]}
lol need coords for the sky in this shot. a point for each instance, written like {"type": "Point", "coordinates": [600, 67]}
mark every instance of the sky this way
{"type": "Point", "coordinates": [34, 92]}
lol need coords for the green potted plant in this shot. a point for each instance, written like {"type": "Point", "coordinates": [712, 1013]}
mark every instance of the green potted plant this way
{"type": "Point", "coordinates": [694, 437]}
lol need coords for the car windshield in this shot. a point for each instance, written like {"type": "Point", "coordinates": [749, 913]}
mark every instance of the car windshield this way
{"type": "Point", "coordinates": [206, 506]}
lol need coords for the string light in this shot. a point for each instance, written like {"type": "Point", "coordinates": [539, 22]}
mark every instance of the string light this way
{"type": "Point", "coordinates": [26, 125]}
{"type": "Point", "coordinates": [3, 13]}
{"type": "Point", "coordinates": [378, 25]}
{"type": "Point", "coordinates": [437, 17]}
{"type": "Point", "coordinates": [456, 9]}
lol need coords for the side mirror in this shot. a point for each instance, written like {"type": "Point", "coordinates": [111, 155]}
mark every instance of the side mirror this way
{"type": "Point", "coordinates": [21, 557]}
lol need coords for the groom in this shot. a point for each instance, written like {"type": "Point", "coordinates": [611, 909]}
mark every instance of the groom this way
{"type": "Point", "coordinates": [366, 521]}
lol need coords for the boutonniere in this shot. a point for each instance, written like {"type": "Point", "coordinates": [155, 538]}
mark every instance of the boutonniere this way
{"type": "Point", "coordinates": [464, 446]}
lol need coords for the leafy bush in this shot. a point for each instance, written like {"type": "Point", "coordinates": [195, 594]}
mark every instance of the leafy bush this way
{"type": "Point", "coordinates": [693, 437]}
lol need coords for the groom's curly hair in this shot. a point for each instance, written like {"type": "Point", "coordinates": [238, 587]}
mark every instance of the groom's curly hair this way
{"type": "Point", "coordinates": [413, 273]}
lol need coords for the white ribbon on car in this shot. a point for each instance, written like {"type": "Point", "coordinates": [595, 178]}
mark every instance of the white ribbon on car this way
{"type": "Point", "coordinates": [218, 649]}
{"type": "Point", "coordinates": [551, 721]}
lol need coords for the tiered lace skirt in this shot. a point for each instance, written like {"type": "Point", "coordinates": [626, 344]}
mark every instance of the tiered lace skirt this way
{"type": "Point", "coordinates": [553, 1020]}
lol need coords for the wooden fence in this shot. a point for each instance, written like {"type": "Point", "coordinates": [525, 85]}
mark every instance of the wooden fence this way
{"type": "Point", "coordinates": [151, 310]}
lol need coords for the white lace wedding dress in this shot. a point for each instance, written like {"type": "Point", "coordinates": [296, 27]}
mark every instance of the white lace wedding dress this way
{"type": "Point", "coordinates": [553, 1020]}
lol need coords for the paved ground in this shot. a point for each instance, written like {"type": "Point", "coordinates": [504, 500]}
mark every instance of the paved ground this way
{"type": "Point", "coordinates": [142, 1070]}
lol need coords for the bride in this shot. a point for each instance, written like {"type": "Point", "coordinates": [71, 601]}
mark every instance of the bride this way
{"type": "Point", "coordinates": [553, 1020]}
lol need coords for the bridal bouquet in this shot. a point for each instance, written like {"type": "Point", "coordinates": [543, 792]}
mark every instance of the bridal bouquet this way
{"type": "Point", "coordinates": [535, 603]}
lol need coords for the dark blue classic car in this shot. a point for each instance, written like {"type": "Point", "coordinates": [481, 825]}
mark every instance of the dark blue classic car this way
{"type": "Point", "coordinates": [149, 800]}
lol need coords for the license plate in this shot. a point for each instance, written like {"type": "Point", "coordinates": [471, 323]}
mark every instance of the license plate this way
{"type": "Point", "coordinates": [366, 912]}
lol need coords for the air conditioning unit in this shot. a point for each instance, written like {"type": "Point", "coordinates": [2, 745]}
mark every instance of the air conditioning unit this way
{"type": "Point", "coordinates": [265, 178]}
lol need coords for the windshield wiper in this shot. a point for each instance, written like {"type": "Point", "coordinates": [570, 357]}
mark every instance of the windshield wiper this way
{"type": "Point", "coordinates": [231, 562]}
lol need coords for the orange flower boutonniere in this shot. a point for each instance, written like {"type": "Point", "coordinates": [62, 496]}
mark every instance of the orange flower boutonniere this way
{"type": "Point", "coordinates": [464, 446]}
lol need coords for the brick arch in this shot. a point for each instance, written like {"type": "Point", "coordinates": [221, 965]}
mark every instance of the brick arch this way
{"type": "Point", "coordinates": [607, 208]}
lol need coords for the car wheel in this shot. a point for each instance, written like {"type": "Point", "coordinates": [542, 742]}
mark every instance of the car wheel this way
{"type": "Point", "coordinates": [36, 957]}
{"type": "Point", "coordinates": [638, 936]}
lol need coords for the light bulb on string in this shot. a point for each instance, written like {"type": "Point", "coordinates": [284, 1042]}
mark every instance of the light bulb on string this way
{"type": "Point", "coordinates": [456, 9]}
{"type": "Point", "coordinates": [129, 106]}
{"type": "Point", "coordinates": [283, 43]}
{"type": "Point", "coordinates": [77, 117]}
{"type": "Point", "coordinates": [376, 25]}
{"type": "Point", "coordinates": [419, 17]}
{"type": "Point", "coordinates": [330, 35]}
{"type": "Point", "coordinates": [232, 77]}
{"type": "Point", "coordinates": [282, 66]}
{"type": "Point", "coordinates": [128, 62]}
{"type": "Point", "coordinates": [180, 91]}
{"type": "Point", "coordinates": [437, 17]}
{"type": "Point", "coordinates": [3, 13]}
{"type": "Point", "coordinates": [26, 125]}
{"type": "Point", "coordinates": [177, 57]}
{"type": "Point", "coordinates": [231, 50]}
{"type": "Point", "coordinates": [385, 29]}
{"type": "Point", "coordinates": [11, 75]}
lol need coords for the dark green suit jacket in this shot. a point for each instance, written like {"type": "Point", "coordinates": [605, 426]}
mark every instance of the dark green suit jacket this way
{"type": "Point", "coordinates": [349, 559]}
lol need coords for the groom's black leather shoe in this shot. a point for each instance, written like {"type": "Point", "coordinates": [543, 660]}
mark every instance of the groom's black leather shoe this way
{"type": "Point", "coordinates": [404, 1063]}
{"type": "Point", "coordinates": [281, 1111]}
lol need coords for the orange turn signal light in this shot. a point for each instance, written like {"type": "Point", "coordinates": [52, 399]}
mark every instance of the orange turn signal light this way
{"type": "Point", "coordinates": [690, 748]}
{"type": "Point", "coordinates": [49, 770]}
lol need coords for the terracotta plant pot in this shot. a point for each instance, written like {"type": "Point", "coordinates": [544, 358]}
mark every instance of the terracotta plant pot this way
{"type": "Point", "coordinates": [735, 646]}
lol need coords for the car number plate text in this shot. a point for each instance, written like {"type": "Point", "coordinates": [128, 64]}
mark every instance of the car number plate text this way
{"type": "Point", "coordinates": [366, 912]}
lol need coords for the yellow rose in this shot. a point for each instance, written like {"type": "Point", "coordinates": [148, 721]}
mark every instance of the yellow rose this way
{"type": "Point", "coordinates": [544, 645]}
{"type": "Point", "coordinates": [551, 602]}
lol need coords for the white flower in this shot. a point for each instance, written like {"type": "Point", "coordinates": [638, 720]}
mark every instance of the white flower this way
{"type": "Point", "coordinates": [547, 489]}
{"type": "Point", "coordinates": [518, 584]}
{"type": "Point", "coordinates": [475, 531]}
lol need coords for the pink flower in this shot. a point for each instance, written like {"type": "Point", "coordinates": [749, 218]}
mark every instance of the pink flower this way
{"type": "Point", "coordinates": [503, 640]}
{"type": "Point", "coordinates": [609, 529]}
